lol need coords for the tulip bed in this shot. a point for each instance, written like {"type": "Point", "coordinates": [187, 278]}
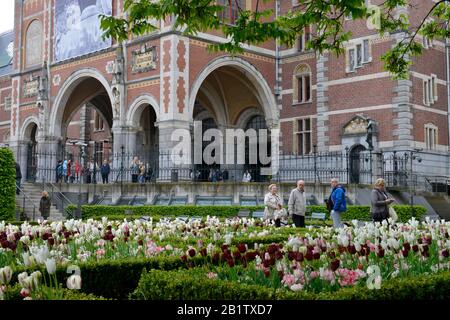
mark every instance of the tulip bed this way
{"type": "Point", "coordinates": [246, 258]}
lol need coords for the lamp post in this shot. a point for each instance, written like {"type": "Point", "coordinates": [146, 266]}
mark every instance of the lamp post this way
{"type": "Point", "coordinates": [412, 186]}
{"type": "Point", "coordinates": [81, 156]}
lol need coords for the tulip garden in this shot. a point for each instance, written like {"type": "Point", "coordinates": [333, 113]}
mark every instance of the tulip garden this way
{"type": "Point", "coordinates": [218, 259]}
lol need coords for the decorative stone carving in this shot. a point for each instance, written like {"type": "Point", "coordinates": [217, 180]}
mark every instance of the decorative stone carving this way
{"type": "Point", "coordinates": [116, 102]}
{"type": "Point", "coordinates": [31, 87]}
{"type": "Point", "coordinates": [144, 59]}
{"type": "Point", "coordinates": [357, 125]}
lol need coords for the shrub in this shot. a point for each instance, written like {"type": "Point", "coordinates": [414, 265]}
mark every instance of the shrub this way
{"type": "Point", "coordinates": [174, 285]}
{"type": "Point", "coordinates": [115, 278]}
{"type": "Point", "coordinates": [353, 212]}
{"type": "Point", "coordinates": [7, 184]}
{"type": "Point", "coordinates": [194, 285]}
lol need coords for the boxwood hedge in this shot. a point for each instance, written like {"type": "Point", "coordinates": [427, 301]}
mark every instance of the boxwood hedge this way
{"type": "Point", "coordinates": [353, 212]}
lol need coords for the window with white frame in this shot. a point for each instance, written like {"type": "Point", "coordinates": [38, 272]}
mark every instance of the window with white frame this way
{"type": "Point", "coordinates": [98, 122]}
{"type": "Point", "coordinates": [302, 84]}
{"type": "Point", "coordinates": [303, 39]}
{"type": "Point", "coordinates": [431, 136]}
{"type": "Point", "coordinates": [430, 94]}
{"type": "Point", "coordinates": [358, 53]}
{"type": "Point", "coordinates": [8, 103]}
{"type": "Point", "coordinates": [230, 13]}
{"type": "Point", "coordinates": [302, 136]}
{"type": "Point", "coordinates": [426, 41]}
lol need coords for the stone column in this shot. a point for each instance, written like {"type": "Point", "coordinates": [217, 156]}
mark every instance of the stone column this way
{"type": "Point", "coordinates": [322, 105]}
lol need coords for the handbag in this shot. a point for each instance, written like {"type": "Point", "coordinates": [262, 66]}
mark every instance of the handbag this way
{"type": "Point", "coordinates": [280, 214]}
{"type": "Point", "coordinates": [393, 214]}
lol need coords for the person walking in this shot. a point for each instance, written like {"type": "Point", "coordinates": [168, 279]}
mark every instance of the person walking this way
{"type": "Point", "coordinates": [380, 202]}
{"type": "Point", "coordinates": [134, 169]}
{"type": "Point", "coordinates": [64, 170]}
{"type": "Point", "coordinates": [69, 170]}
{"type": "Point", "coordinates": [297, 204]}
{"type": "Point", "coordinates": [77, 170]}
{"type": "Point", "coordinates": [273, 205]}
{"type": "Point", "coordinates": [247, 176]}
{"type": "Point", "coordinates": [337, 202]}
{"type": "Point", "coordinates": [44, 205]}
{"type": "Point", "coordinates": [18, 178]}
{"type": "Point", "coordinates": [104, 171]}
{"type": "Point", "coordinates": [59, 171]}
{"type": "Point", "coordinates": [141, 172]}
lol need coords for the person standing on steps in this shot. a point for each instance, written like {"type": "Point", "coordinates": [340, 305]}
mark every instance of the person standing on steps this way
{"type": "Point", "coordinates": [105, 170]}
{"type": "Point", "coordinates": [44, 205]}
{"type": "Point", "coordinates": [18, 178]}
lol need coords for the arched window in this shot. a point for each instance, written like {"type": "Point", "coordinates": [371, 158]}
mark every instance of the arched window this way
{"type": "Point", "coordinates": [33, 55]}
{"type": "Point", "coordinates": [301, 84]}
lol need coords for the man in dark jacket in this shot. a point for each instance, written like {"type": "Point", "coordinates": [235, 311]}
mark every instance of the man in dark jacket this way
{"type": "Point", "coordinates": [105, 170]}
{"type": "Point", "coordinates": [18, 178]}
{"type": "Point", "coordinates": [338, 201]}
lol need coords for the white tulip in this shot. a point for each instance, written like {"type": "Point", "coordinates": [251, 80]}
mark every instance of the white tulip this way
{"type": "Point", "coordinates": [50, 264]}
{"type": "Point", "coordinates": [74, 282]}
{"type": "Point", "coordinates": [5, 275]}
{"type": "Point", "coordinates": [21, 277]}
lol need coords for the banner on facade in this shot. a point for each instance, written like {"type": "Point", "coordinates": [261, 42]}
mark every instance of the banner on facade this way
{"type": "Point", "coordinates": [77, 27]}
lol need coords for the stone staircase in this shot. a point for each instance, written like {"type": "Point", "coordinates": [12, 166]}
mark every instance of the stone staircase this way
{"type": "Point", "coordinates": [33, 194]}
{"type": "Point", "coordinates": [440, 205]}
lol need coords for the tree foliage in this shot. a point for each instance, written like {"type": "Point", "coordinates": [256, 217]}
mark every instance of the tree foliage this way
{"type": "Point", "coordinates": [260, 25]}
{"type": "Point", "coordinates": [7, 184]}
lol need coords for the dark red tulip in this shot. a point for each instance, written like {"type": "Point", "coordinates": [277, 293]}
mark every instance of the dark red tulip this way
{"type": "Point", "coordinates": [407, 246]}
{"type": "Point", "coordinates": [272, 249]}
{"type": "Point", "coordinates": [316, 256]}
{"type": "Point", "coordinates": [51, 241]}
{"type": "Point", "coordinates": [332, 254]}
{"type": "Point", "coordinates": [380, 253]}
{"type": "Point", "coordinates": [405, 253]}
{"type": "Point", "coordinates": [309, 256]}
{"type": "Point", "coordinates": [241, 247]}
{"type": "Point", "coordinates": [299, 257]}
{"type": "Point", "coordinates": [184, 258]}
{"type": "Point", "coordinates": [266, 263]}
{"type": "Point", "coordinates": [203, 252]}
{"type": "Point", "coordinates": [216, 258]}
{"type": "Point", "coordinates": [17, 235]}
{"type": "Point", "coordinates": [191, 252]}
{"type": "Point", "coordinates": [12, 246]}
{"type": "Point", "coordinates": [278, 255]}
{"type": "Point", "coordinates": [445, 253]}
{"type": "Point", "coordinates": [45, 236]}
{"type": "Point", "coordinates": [66, 234]}
{"type": "Point", "coordinates": [334, 265]}
{"type": "Point", "coordinates": [415, 248]}
{"type": "Point", "coordinates": [140, 242]}
{"type": "Point", "coordinates": [267, 273]}
{"type": "Point", "coordinates": [425, 248]}
{"type": "Point", "coordinates": [291, 255]}
{"type": "Point", "coordinates": [224, 247]}
{"type": "Point", "coordinates": [351, 249]}
{"type": "Point", "coordinates": [426, 254]}
{"type": "Point", "coordinates": [281, 274]}
{"type": "Point", "coordinates": [230, 263]}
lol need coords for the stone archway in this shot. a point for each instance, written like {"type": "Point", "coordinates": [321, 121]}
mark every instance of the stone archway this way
{"type": "Point", "coordinates": [28, 158]}
{"type": "Point", "coordinates": [231, 91]}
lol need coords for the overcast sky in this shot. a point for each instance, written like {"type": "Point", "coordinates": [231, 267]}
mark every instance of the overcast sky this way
{"type": "Point", "coordinates": [6, 15]}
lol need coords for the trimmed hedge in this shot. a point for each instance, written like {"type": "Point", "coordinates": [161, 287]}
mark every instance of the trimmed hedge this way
{"type": "Point", "coordinates": [353, 212]}
{"type": "Point", "coordinates": [194, 285]}
{"type": "Point", "coordinates": [7, 184]}
{"type": "Point", "coordinates": [13, 293]}
{"type": "Point", "coordinates": [173, 285]}
{"type": "Point", "coordinates": [115, 278]}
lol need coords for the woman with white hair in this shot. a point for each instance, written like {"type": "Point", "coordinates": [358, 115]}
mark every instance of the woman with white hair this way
{"type": "Point", "coordinates": [273, 205]}
{"type": "Point", "coordinates": [380, 202]}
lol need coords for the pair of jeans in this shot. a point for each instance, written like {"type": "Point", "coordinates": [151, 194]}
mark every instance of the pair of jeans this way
{"type": "Point", "coordinates": [299, 220]}
{"type": "Point", "coordinates": [336, 216]}
{"type": "Point", "coordinates": [277, 223]}
{"type": "Point", "coordinates": [105, 178]}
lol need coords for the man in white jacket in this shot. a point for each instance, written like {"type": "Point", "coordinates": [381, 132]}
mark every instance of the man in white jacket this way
{"type": "Point", "coordinates": [297, 204]}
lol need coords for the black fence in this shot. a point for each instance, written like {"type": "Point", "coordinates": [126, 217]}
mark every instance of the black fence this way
{"type": "Point", "coordinates": [399, 169]}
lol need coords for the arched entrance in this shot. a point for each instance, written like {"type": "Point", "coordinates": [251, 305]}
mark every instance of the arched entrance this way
{"type": "Point", "coordinates": [31, 151]}
{"type": "Point", "coordinates": [355, 163]}
{"type": "Point", "coordinates": [256, 123]}
{"type": "Point", "coordinates": [219, 97]}
{"type": "Point", "coordinates": [143, 117]}
{"type": "Point", "coordinates": [83, 118]}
